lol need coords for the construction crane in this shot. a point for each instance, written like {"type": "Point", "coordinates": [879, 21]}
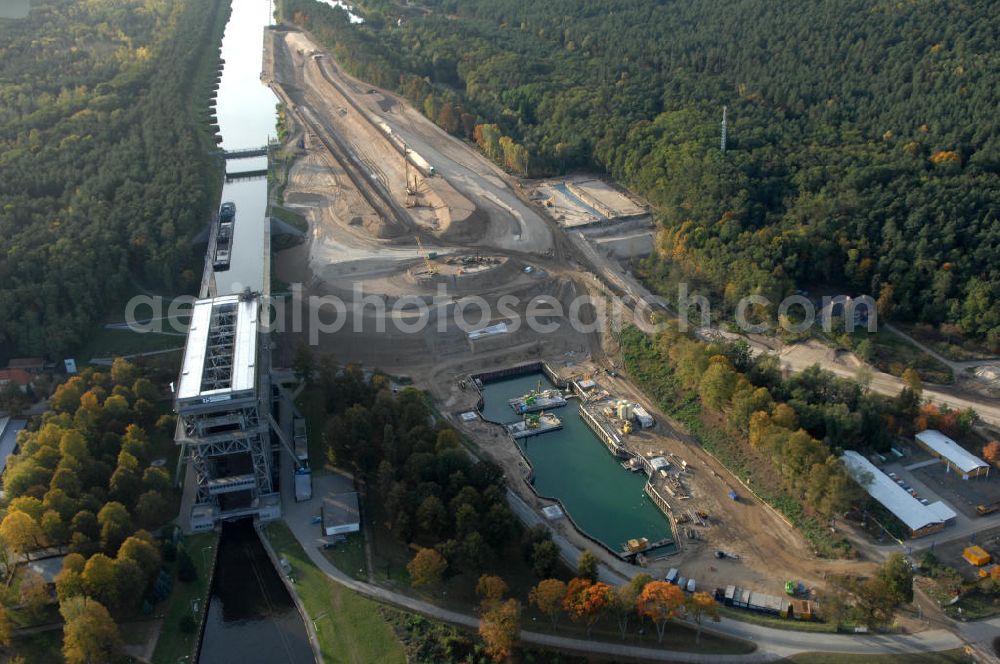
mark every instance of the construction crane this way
{"type": "Point", "coordinates": [427, 259]}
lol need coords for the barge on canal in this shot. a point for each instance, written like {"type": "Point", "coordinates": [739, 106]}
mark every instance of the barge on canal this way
{"type": "Point", "coordinates": [224, 237]}
{"type": "Point", "coordinates": [533, 425]}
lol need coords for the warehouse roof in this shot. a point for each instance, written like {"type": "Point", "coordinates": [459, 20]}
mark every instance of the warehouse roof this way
{"type": "Point", "coordinates": [341, 509]}
{"type": "Point", "coordinates": [882, 488]}
{"type": "Point", "coordinates": [8, 438]}
{"type": "Point", "coordinates": [221, 352]}
{"type": "Point", "coordinates": [963, 459]}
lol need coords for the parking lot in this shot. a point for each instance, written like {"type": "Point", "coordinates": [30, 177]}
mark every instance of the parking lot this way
{"type": "Point", "coordinates": [962, 495]}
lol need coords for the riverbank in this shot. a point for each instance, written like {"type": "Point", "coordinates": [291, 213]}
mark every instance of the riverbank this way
{"type": "Point", "coordinates": [188, 599]}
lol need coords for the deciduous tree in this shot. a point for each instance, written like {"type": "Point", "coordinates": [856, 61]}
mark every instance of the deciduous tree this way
{"type": "Point", "coordinates": [698, 607]}
{"type": "Point", "coordinates": [21, 532]}
{"type": "Point", "coordinates": [89, 633]}
{"type": "Point", "coordinates": [499, 628]}
{"type": "Point", "coordinates": [660, 602]}
{"type": "Point", "coordinates": [586, 602]}
{"type": "Point", "coordinates": [426, 568]}
{"type": "Point", "coordinates": [491, 589]}
{"type": "Point", "coordinates": [586, 566]}
{"type": "Point", "coordinates": [548, 596]}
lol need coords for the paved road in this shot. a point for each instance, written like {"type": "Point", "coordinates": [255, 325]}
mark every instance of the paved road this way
{"type": "Point", "coordinates": [771, 643]}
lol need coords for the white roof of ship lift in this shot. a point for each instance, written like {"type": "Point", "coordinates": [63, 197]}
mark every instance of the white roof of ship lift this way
{"type": "Point", "coordinates": [897, 500]}
{"type": "Point", "coordinates": [244, 348]}
{"type": "Point", "coordinates": [965, 460]}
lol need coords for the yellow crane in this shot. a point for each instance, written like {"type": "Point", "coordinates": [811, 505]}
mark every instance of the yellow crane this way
{"type": "Point", "coordinates": [427, 260]}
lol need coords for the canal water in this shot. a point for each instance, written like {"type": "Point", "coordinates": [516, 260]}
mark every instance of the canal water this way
{"type": "Point", "coordinates": [573, 465]}
{"type": "Point", "coordinates": [251, 617]}
{"type": "Point", "coordinates": [246, 110]}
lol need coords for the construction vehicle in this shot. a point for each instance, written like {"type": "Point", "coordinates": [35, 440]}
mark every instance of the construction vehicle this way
{"type": "Point", "coordinates": [431, 269]}
{"type": "Point", "coordinates": [983, 510]}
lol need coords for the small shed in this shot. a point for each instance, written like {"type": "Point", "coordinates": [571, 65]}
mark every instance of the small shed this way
{"type": "Point", "coordinates": [645, 420]}
{"type": "Point", "coordinates": [658, 463]}
{"type": "Point", "coordinates": [341, 514]}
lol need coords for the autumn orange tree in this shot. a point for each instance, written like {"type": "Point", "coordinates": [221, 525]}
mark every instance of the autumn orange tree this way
{"type": "Point", "coordinates": [548, 597]}
{"type": "Point", "coordinates": [698, 607]}
{"type": "Point", "coordinates": [499, 628]}
{"type": "Point", "coordinates": [492, 589]}
{"type": "Point", "coordinates": [991, 452]}
{"type": "Point", "coordinates": [586, 602]}
{"type": "Point", "coordinates": [660, 601]}
{"type": "Point", "coordinates": [426, 568]}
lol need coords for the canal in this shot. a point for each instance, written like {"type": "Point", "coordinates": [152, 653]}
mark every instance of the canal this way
{"type": "Point", "coordinates": [247, 115]}
{"type": "Point", "coordinates": [572, 465]}
{"type": "Point", "coordinates": [251, 617]}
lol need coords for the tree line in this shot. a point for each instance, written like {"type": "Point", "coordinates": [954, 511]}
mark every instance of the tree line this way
{"type": "Point", "coordinates": [104, 171]}
{"type": "Point", "coordinates": [862, 147]}
{"type": "Point", "coordinates": [797, 425]}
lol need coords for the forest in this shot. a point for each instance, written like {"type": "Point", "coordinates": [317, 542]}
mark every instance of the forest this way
{"type": "Point", "coordinates": [104, 167]}
{"type": "Point", "coordinates": [863, 139]}
{"type": "Point", "coordinates": [82, 482]}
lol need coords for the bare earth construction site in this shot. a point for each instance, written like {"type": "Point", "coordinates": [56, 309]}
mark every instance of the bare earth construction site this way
{"type": "Point", "coordinates": [443, 225]}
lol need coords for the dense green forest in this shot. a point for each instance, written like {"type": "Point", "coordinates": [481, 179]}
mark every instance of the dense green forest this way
{"type": "Point", "coordinates": [103, 169]}
{"type": "Point", "coordinates": [864, 138]}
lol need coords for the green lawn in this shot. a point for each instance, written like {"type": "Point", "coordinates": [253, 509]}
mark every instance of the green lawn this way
{"type": "Point", "coordinates": [956, 656]}
{"type": "Point", "coordinates": [106, 342]}
{"type": "Point", "coordinates": [293, 219]}
{"type": "Point", "coordinates": [894, 354]}
{"type": "Point", "coordinates": [173, 643]}
{"type": "Point", "coordinates": [349, 557]}
{"type": "Point", "coordinates": [974, 605]}
{"type": "Point", "coordinates": [953, 347]}
{"type": "Point", "coordinates": [353, 629]}
{"type": "Point", "coordinates": [776, 622]}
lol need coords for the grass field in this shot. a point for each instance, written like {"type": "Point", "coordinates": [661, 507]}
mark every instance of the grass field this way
{"type": "Point", "coordinates": [956, 656]}
{"type": "Point", "coordinates": [894, 354]}
{"type": "Point", "coordinates": [106, 342]}
{"type": "Point", "coordinates": [349, 557]}
{"type": "Point", "coordinates": [352, 629]}
{"type": "Point", "coordinates": [173, 643]}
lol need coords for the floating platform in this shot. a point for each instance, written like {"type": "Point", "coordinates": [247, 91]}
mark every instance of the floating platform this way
{"type": "Point", "coordinates": [535, 401]}
{"type": "Point", "coordinates": [534, 425]}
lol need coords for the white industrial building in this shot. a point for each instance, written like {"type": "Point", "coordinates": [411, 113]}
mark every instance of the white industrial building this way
{"type": "Point", "coordinates": [955, 456]}
{"type": "Point", "coordinates": [341, 514]}
{"type": "Point", "coordinates": [920, 519]}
